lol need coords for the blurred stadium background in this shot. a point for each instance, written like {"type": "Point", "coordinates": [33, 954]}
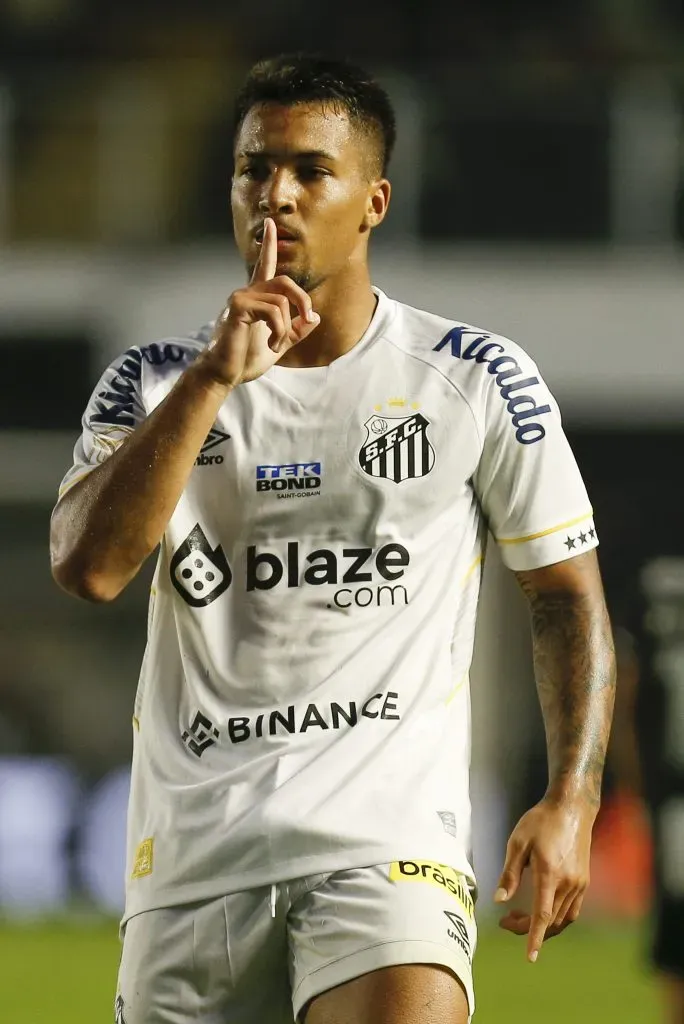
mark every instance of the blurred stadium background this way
{"type": "Point", "coordinates": [538, 192]}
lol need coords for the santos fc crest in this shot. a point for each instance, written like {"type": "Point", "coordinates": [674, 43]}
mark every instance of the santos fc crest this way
{"type": "Point", "coordinates": [397, 447]}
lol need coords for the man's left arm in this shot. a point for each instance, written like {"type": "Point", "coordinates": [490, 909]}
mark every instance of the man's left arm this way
{"type": "Point", "coordinates": [574, 663]}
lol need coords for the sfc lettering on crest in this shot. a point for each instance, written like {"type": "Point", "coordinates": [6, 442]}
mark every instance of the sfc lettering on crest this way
{"type": "Point", "coordinates": [397, 447]}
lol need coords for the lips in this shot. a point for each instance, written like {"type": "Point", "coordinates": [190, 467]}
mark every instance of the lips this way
{"type": "Point", "coordinates": [284, 234]}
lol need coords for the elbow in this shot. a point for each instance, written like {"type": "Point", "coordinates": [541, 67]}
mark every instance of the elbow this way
{"type": "Point", "coordinates": [72, 562]}
{"type": "Point", "coordinates": [78, 581]}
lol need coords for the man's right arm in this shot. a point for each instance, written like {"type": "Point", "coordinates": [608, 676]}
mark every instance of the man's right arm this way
{"type": "Point", "coordinates": [104, 528]}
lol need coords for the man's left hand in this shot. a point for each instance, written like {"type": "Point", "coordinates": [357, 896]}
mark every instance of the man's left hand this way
{"type": "Point", "coordinates": [553, 839]}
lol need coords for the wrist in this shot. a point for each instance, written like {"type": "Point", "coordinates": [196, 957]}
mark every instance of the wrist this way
{"type": "Point", "coordinates": [574, 795]}
{"type": "Point", "coordinates": [209, 377]}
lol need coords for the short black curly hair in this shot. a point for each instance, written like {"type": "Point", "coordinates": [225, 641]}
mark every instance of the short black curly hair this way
{"type": "Point", "coordinates": [292, 78]}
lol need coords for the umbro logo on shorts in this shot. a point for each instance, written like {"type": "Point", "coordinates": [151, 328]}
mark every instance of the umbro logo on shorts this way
{"type": "Point", "coordinates": [457, 930]}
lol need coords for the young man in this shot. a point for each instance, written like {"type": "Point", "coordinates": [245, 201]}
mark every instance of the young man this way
{"type": "Point", "coordinates": [320, 466]}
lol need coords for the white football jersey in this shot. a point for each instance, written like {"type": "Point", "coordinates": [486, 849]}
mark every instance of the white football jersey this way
{"type": "Point", "coordinates": [303, 703]}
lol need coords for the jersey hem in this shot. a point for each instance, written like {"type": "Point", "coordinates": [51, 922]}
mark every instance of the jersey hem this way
{"type": "Point", "coordinates": [299, 868]}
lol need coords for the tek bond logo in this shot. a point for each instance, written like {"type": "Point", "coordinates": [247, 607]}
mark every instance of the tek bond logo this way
{"type": "Point", "coordinates": [290, 480]}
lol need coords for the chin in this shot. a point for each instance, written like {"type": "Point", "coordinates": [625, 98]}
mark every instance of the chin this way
{"type": "Point", "coordinates": [300, 275]}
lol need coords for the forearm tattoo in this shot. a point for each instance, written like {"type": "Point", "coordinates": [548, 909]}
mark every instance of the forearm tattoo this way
{"type": "Point", "coordinates": [574, 662]}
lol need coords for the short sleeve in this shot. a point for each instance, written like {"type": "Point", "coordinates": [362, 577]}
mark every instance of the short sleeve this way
{"type": "Point", "coordinates": [114, 411]}
{"type": "Point", "coordinates": [527, 481]}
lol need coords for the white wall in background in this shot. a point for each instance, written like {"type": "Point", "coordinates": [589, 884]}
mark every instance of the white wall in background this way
{"type": "Point", "coordinates": [607, 327]}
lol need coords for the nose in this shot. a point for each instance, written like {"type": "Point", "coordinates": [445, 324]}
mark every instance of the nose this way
{"type": "Point", "coordinates": [278, 195]}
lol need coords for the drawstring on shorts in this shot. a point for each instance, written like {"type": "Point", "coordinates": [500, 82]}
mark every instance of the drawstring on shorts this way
{"type": "Point", "coordinates": [274, 897]}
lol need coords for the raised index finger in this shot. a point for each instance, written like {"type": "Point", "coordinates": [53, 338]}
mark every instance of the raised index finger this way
{"type": "Point", "coordinates": [265, 266]}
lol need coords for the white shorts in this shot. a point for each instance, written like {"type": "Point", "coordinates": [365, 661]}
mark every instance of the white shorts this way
{"type": "Point", "coordinates": [259, 956]}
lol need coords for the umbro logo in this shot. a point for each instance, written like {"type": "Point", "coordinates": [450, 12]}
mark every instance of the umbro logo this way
{"type": "Point", "coordinates": [214, 438]}
{"type": "Point", "coordinates": [119, 1010]}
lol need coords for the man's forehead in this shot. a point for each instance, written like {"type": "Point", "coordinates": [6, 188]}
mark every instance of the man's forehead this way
{"type": "Point", "coordinates": [304, 127]}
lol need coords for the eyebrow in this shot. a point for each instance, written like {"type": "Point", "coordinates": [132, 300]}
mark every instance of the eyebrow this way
{"type": "Point", "coordinates": [304, 154]}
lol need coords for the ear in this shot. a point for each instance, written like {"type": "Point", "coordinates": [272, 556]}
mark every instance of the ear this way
{"type": "Point", "coordinates": [378, 202]}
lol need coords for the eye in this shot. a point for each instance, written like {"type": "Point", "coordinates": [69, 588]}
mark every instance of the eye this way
{"type": "Point", "coordinates": [312, 173]}
{"type": "Point", "coordinates": [256, 172]}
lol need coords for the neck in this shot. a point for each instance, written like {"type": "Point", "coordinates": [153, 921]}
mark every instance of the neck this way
{"type": "Point", "coordinates": [345, 304]}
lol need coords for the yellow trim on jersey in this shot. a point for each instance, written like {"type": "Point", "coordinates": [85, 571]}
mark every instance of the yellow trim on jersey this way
{"type": "Point", "coordinates": [456, 688]}
{"type": "Point", "coordinates": [136, 723]}
{"type": "Point", "coordinates": [471, 568]}
{"type": "Point", "coordinates": [545, 533]}
{"type": "Point", "coordinates": [74, 480]}
{"type": "Point", "coordinates": [469, 572]}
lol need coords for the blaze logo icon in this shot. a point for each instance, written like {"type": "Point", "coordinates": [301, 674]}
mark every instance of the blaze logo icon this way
{"type": "Point", "coordinates": [397, 447]}
{"type": "Point", "coordinates": [198, 573]}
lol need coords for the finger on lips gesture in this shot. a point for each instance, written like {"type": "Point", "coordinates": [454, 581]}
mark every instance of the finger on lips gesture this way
{"type": "Point", "coordinates": [282, 293]}
{"type": "Point", "coordinates": [261, 321]}
{"type": "Point", "coordinates": [267, 260]}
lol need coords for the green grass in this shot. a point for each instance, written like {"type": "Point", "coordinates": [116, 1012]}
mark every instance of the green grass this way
{"type": "Point", "coordinates": [64, 973]}
{"type": "Point", "coordinates": [58, 973]}
{"type": "Point", "coordinates": [588, 975]}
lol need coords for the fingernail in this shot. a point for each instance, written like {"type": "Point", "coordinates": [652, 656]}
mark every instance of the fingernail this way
{"type": "Point", "coordinates": [313, 317]}
{"type": "Point", "coordinates": [533, 956]}
{"type": "Point", "coordinates": [500, 896]}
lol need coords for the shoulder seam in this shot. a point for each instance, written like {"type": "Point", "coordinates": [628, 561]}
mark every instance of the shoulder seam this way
{"type": "Point", "coordinates": [454, 385]}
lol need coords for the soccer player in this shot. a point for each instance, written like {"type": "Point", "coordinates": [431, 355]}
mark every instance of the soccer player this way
{"type": "Point", "coordinates": [320, 467]}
